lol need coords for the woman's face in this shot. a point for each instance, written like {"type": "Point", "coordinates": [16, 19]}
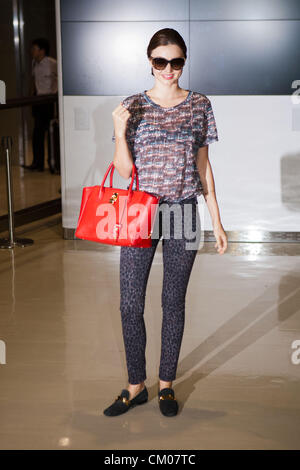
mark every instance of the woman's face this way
{"type": "Point", "coordinates": [168, 75]}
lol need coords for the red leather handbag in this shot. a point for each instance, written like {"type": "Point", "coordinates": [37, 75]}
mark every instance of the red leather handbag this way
{"type": "Point", "coordinates": [117, 216]}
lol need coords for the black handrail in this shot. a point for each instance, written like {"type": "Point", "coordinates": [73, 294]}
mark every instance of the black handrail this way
{"type": "Point", "coordinates": [28, 100]}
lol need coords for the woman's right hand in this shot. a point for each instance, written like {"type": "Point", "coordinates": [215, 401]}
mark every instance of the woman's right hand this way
{"type": "Point", "coordinates": [120, 117]}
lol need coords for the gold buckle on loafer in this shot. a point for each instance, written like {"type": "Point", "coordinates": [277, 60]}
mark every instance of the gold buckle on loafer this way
{"type": "Point", "coordinates": [170, 396]}
{"type": "Point", "coordinates": [123, 399]}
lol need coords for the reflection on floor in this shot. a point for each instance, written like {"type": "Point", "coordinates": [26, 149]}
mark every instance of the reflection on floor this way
{"type": "Point", "coordinates": [237, 381]}
{"type": "Point", "coordinates": [29, 187]}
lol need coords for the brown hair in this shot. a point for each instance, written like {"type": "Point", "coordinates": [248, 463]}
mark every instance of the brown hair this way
{"type": "Point", "coordinates": [163, 37]}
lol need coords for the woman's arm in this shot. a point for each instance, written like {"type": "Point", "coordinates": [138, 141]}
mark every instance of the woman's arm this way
{"type": "Point", "coordinates": [209, 194]}
{"type": "Point", "coordinates": [122, 157]}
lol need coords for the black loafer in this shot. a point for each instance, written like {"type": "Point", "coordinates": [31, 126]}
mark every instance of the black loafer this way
{"type": "Point", "coordinates": [167, 402]}
{"type": "Point", "coordinates": [123, 404]}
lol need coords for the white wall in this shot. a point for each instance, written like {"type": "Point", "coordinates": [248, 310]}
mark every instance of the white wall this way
{"type": "Point", "coordinates": [256, 162]}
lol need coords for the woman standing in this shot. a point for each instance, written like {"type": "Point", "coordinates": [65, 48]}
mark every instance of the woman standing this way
{"type": "Point", "coordinates": [165, 132]}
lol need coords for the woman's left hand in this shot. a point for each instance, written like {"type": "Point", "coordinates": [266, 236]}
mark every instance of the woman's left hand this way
{"type": "Point", "coordinates": [221, 238]}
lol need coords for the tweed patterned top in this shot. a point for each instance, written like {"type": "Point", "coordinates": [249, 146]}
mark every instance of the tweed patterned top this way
{"type": "Point", "coordinates": [164, 143]}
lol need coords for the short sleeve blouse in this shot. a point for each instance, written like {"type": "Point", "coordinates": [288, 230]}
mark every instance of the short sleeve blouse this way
{"type": "Point", "coordinates": [164, 143]}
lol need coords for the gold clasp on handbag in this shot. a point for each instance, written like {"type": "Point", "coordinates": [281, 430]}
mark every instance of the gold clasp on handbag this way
{"type": "Point", "coordinates": [113, 198]}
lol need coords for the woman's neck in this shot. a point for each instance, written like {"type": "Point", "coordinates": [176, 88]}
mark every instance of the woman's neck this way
{"type": "Point", "coordinates": [167, 93]}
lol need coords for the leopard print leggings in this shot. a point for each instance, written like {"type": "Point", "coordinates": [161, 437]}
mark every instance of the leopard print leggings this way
{"type": "Point", "coordinates": [180, 242]}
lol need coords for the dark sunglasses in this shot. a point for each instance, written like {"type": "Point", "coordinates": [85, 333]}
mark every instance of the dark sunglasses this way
{"type": "Point", "coordinates": [160, 63]}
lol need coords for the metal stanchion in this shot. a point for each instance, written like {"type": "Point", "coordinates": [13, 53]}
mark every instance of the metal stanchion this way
{"type": "Point", "coordinates": [6, 145]}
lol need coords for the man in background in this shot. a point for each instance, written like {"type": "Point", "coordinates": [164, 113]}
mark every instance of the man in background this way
{"type": "Point", "coordinates": [43, 82]}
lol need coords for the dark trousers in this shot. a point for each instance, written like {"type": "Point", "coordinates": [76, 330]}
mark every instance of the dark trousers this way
{"type": "Point", "coordinates": [42, 114]}
{"type": "Point", "coordinates": [135, 264]}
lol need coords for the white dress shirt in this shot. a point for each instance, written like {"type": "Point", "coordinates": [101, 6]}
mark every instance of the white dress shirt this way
{"type": "Point", "coordinates": [45, 75]}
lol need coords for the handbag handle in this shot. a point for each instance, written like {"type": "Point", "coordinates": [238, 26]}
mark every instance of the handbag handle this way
{"type": "Point", "coordinates": [111, 169]}
{"type": "Point", "coordinates": [111, 178]}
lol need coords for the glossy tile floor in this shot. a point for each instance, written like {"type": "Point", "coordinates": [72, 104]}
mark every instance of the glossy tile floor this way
{"type": "Point", "coordinates": [29, 187]}
{"type": "Point", "coordinates": [237, 384]}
